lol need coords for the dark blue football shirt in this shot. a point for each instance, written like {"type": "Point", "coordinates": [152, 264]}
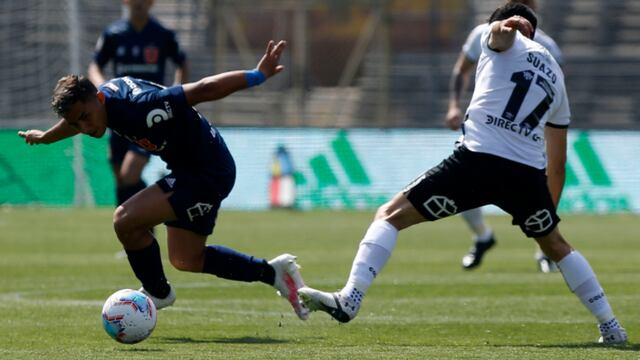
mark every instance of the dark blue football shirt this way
{"type": "Point", "coordinates": [160, 120]}
{"type": "Point", "coordinates": [138, 54]}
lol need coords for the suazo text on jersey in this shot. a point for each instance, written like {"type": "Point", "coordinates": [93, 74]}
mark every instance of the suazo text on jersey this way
{"type": "Point", "coordinates": [518, 92]}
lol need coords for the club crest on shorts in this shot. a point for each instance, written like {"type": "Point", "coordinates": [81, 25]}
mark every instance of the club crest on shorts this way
{"type": "Point", "coordinates": [440, 206]}
{"type": "Point", "coordinates": [170, 181]}
{"type": "Point", "coordinates": [539, 222]}
{"type": "Point", "coordinates": [199, 209]}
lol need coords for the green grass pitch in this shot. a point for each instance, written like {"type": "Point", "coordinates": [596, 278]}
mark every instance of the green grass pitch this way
{"type": "Point", "coordinates": [57, 266]}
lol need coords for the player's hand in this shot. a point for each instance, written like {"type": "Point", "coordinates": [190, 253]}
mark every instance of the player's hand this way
{"type": "Point", "coordinates": [454, 118]}
{"type": "Point", "coordinates": [32, 137]}
{"type": "Point", "coordinates": [517, 23]}
{"type": "Point", "coordinates": [268, 65]}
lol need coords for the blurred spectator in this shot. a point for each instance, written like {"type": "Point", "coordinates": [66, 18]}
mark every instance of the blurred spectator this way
{"type": "Point", "coordinates": [138, 46]}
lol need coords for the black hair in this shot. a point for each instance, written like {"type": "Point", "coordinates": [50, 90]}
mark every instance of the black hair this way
{"type": "Point", "coordinates": [512, 9]}
{"type": "Point", "coordinates": [69, 90]}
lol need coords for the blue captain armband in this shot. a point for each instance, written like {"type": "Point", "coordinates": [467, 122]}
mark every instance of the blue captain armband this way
{"type": "Point", "coordinates": [254, 77]}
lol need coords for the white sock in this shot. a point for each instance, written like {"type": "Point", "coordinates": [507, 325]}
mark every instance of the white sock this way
{"type": "Point", "coordinates": [374, 252]}
{"type": "Point", "coordinates": [582, 281]}
{"type": "Point", "coordinates": [475, 221]}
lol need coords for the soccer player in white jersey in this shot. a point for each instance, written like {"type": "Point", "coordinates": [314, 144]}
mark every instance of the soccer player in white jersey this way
{"type": "Point", "coordinates": [518, 107]}
{"type": "Point", "coordinates": [483, 235]}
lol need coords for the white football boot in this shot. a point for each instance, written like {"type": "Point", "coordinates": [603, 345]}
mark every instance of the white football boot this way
{"type": "Point", "coordinates": [287, 281]}
{"type": "Point", "coordinates": [161, 303]}
{"type": "Point", "coordinates": [339, 307]}
{"type": "Point", "coordinates": [614, 337]}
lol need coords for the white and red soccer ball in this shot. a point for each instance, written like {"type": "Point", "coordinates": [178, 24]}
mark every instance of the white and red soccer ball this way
{"type": "Point", "coordinates": [129, 316]}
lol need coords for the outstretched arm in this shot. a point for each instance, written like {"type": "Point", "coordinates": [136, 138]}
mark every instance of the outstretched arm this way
{"type": "Point", "coordinates": [221, 85]}
{"type": "Point", "coordinates": [57, 132]}
{"type": "Point", "coordinates": [503, 33]}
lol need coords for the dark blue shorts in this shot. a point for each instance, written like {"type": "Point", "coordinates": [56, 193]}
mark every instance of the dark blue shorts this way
{"type": "Point", "coordinates": [196, 198]}
{"type": "Point", "coordinates": [467, 180]}
{"type": "Point", "coordinates": [119, 146]}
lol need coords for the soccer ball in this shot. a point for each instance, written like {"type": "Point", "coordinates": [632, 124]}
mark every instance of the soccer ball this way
{"type": "Point", "coordinates": [129, 316]}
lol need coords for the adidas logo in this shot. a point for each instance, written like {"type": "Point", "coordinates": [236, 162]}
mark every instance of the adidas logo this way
{"type": "Point", "coordinates": [588, 185]}
{"type": "Point", "coordinates": [352, 192]}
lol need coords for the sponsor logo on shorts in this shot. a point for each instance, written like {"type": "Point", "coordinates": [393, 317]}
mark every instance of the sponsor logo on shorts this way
{"type": "Point", "coordinates": [539, 222]}
{"type": "Point", "coordinates": [199, 209]}
{"type": "Point", "coordinates": [440, 206]}
{"type": "Point", "coordinates": [170, 181]}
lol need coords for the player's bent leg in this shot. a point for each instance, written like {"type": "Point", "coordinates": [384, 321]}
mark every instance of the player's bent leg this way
{"type": "Point", "coordinates": [399, 212]}
{"type": "Point", "coordinates": [373, 253]}
{"type": "Point", "coordinates": [186, 249]}
{"type": "Point", "coordinates": [133, 219]}
{"type": "Point", "coordinates": [554, 245]}
{"type": "Point", "coordinates": [187, 252]}
{"type": "Point", "coordinates": [582, 281]}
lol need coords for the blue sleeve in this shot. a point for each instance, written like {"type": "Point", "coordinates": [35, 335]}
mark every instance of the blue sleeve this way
{"type": "Point", "coordinates": [104, 49]}
{"type": "Point", "coordinates": [176, 98]}
{"type": "Point", "coordinates": [173, 49]}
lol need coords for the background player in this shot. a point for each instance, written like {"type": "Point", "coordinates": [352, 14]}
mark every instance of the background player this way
{"type": "Point", "coordinates": [138, 46]}
{"type": "Point", "coordinates": [484, 238]}
{"type": "Point", "coordinates": [164, 122]}
{"type": "Point", "coordinates": [518, 108]}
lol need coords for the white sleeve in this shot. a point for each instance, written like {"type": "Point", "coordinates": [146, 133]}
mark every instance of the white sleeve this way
{"type": "Point", "coordinates": [471, 47]}
{"type": "Point", "coordinates": [562, 116]}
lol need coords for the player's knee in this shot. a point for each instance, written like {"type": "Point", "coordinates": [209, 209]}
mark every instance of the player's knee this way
{"type": "Point", "coordinates": [123, 223]}
{"type": "Point", "coordinates": [384, 212]}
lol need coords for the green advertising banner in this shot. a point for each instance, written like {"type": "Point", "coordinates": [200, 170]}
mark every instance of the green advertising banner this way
{"type": "Point", "coordinates": [331, 168]}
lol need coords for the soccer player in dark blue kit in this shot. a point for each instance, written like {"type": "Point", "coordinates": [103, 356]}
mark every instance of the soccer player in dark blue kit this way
{"type": "Point", "coordinates": [138, 46]}
{"type": "Point", "coordinates": [163, 122]}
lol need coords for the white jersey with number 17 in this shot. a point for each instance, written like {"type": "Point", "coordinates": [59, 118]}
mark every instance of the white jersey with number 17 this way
{"type": "Point", "coordinates": [517, 93]}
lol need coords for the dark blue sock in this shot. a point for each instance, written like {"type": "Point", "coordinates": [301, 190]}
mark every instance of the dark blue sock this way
{"type": "Point", "coordinates": [123, 193]}
{"type": "Point", "coordinates": [229, 264]}
{"type": "Point", "coordinates": [147, 265]}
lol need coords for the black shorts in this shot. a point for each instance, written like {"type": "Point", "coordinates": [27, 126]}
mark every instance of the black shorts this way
{"type": "Point", "coordinates": [119, 146]}
{"type": "Point", "coordinates": [467, 180]}
{"type": "Point", "coordinates": [196, 198]}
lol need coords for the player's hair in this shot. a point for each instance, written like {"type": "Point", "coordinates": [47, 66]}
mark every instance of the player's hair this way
{"type": "Point", "coordinates": [69, 90]}
{"type": "Point", "coordinates": [512, 9]}
{"type": "Point", "coordinates": [529, 3]}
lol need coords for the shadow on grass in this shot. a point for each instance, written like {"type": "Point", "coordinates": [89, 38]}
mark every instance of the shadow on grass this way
{"type": "Point", "coordinates": [240, 340]}
{"type": "Point", "coordinates": [138, 350]}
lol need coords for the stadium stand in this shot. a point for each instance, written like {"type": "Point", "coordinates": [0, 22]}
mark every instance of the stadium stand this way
{"type": "Point", "coordinates": [400, 80]}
